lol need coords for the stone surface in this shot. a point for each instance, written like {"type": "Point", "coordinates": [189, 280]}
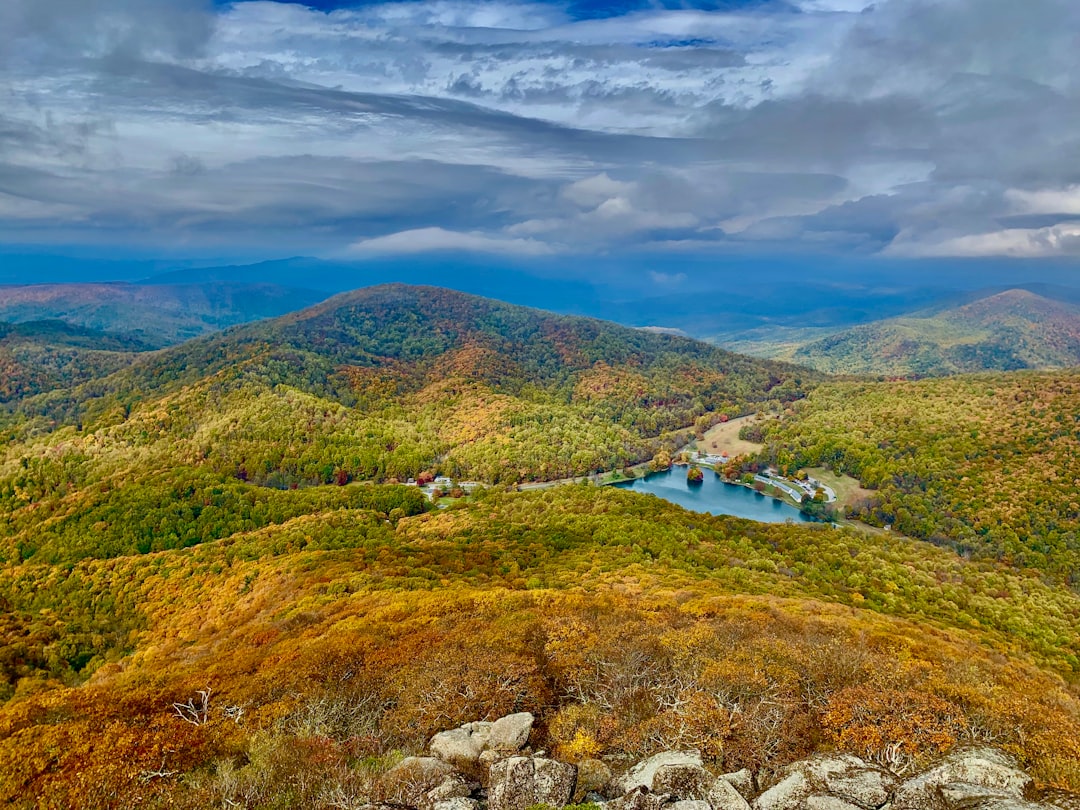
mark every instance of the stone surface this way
{"type": "Point", "coordinates": [518, 783]}
{"type": "Point", "coordinates": [842, 777]}
{"type": "Point", "coordinates": [511, 733]}
{"type": "Point", "coordinates": [724, 796]}
{"type": "Point", "coordinates": [453, 787]}
{"type": "Point", "coordinates": [593, 776]}
{"type": "Point", "coordinates": [641, 775]}
{"type": "Point", "coordinates": [684, 782]}
{"type": "Point", "coordinates": [827, 803]}
{"type": "Point", "coordinates": [458, 803]}
{"type": "Point", "coordinates": [743, 781]}
{"type": "Point", "coordinates": [640, 798]}
{"type": "Point", "coordinates": [984, 767]}
{"type": "Point", "coordinates": [461, 746]}
{"type": "Point", "coordinates": [787, 794]}
{"type": "Point", "coordinates": [690, 804]}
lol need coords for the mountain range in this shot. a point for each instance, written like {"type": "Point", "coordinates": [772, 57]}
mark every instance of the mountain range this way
{"type": "Point", "coordinates": [1007, 330]}
{"type": "Point", "coordinates": [217, 592]}
{"type": "Point", "coordinates": [152, 315]}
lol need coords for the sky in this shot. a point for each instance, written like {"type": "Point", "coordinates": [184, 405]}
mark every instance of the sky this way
{"type": "Point", "coordinates": [557, 132]}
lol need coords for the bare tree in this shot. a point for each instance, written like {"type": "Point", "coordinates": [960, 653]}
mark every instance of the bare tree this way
{"type": "Point", "coordinates": [197, 710]}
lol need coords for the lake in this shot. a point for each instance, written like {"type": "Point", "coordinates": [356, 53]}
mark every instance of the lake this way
{"type": "Point", "coordinates": [715, 497]}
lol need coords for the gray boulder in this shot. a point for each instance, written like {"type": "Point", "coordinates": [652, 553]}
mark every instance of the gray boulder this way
{"type": "Point", "coordinates": [828, 803]}
{"type": "Point", "coordinates": [518, 783]}
{"type": "Point", "coordinates": [724, 796]}
{"type": "Point", "coordinates": [642, 774]}
{"type": "Point", "coordinates": [641, 798]}
{"type": "Point", "coordinates": [982, 768]}
{"type": "Point", "coordinates": [684, 782]}
{"type": "Point", "coordinates": [743, 781]}
{"type": "Point", "coordinates": [842, 777]}
{"type": "Point", "coordinates": [458, 803]}
{"type": "Point", "coordinates": [461, 746]}
{"type": "Point", "coordinates": [453, 787]}
{"type": "Point", "coordinates": [593, 776]}
{"type": "Point", "coordinates": [510, 733]}
{"type": "Point", "coordinates": [691, 804]}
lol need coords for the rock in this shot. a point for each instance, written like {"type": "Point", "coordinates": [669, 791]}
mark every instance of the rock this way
{"type": "Point", "coordinates": [518, 783]}
{"type": "Point", "coordinates": [453, 787]}
{"type": "Point", "coordinates": [641, 775]}
{"type": "Point", "coordinates": [592, 777]}
{"type": "Point", "coordinates": [459, 803]}
{"type": "Point", "coordinates": [511, 733]}
{"type": "Point", "coordinates": [1009, 803]}
{"type": "Point", "coordinates": [787, 794]}
{"type": "Point", "coordinates": [724, 796]}
{"type": "Point", "coordinates": [1060, 799]}
{"type": "Point", "coordinates": [983, 767]}
{"type": "Point", "coordinates": [684, 782]}
{"type": "Point", "coordinates": [966, 793]}
{"type": "Point", "coordinates": [640, 798]}
{"type": "Point", "coordinates": [842, 776]}
{"type": "Point", "coordinates": [828, 803]}
{"type": "Point", "coordinates": [461, 746]}
{"type": "Point", "coordinates": [410, 780]}
{"type": "Point", "coordinates": [743, 781]}
{"type": "Point", "coordinates": [690, 804]}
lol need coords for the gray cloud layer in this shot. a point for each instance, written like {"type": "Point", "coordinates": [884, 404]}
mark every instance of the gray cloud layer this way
{"type": "Point", "coordinates": [910, 127]}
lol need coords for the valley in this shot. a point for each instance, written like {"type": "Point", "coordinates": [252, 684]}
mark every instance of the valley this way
{"type": "Point", "coordinates": [229, 515]}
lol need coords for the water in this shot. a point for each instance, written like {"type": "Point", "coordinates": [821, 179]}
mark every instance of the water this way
{"type": "Point", "coordinates": [715, 497]}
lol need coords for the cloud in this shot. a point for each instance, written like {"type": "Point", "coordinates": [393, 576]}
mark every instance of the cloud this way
{"type": "Point", "coordinates": [667, 279]}
{"type": "Point", "coordinates": [1017, 243]}
{"type": "Point", "coordinates": [429, 240]}
{"type": "Point", "coordinates": [914, 127]}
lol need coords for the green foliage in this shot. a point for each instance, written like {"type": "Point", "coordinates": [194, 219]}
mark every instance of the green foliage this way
{"type": "Point", "coordinates": [986, 464]}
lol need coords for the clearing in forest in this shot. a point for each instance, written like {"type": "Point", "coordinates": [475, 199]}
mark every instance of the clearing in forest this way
{"type": "Point", "coordinates": [724, 438]}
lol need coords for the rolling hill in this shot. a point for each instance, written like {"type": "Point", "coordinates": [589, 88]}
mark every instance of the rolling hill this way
{"type": "Point", "coordinates": [1014, 329]}
{"type": "Point", "coordinates": [39, 356]}
{"type": "Point", "coordinates": [220, 517]}
{"type": "Point", "coordinates": [154, 315]}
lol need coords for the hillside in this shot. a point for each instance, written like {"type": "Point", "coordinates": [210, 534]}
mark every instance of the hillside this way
{"type": "Point", "coordinates": [221, 517]}
{"type": "Point", "coordinates": [987, 464]}
{"type": "Point", "coordinates": [627, 625]}
{"type": "Point", "coordinates": [1010, 330]}
{"type": "Point", "coordinates": [391, 381]}
{"type": "Point", "coordinates": [156, 315]}
{"type": "Point", "coordinates": [39, 356]}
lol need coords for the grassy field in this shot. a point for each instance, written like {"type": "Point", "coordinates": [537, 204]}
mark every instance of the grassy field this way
{"type": "Point", "coordinates": [724, 438]}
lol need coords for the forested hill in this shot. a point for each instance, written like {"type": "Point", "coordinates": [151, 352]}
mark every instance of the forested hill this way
{"type": "Point", "coordinates": [1014, 329]}
{"type": "Point", "coordinates": [153, 314]}
{"type": "Point", "coordinates": [190, 443]}
{"type": "Point", "coordinates": [40, 356]}
{"type": "Point", "coordinates": [419, 335]}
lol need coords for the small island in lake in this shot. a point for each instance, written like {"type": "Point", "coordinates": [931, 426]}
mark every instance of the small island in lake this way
{"type": "Point", "coordinates": [694, 475]}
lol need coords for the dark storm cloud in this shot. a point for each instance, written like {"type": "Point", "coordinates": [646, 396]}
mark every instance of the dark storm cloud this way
{"type": "Point", "coordinates": [915, 127]}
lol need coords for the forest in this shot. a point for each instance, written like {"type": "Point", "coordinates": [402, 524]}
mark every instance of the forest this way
{"type": "Point", "coordinates": [986, 464]}
{"type": "Point", "coordinates": [226, 526]}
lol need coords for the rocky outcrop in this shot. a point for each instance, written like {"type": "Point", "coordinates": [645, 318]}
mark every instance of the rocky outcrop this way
{"type": "Point", "coordinates": [978, 777]}
{"type": "Point", "coordinates": [518, 783]}
{"type": "Point", "coordinates": [642, 774]}
{"type": "Point", "coordinates": [841, 782]}
{"type": "Point", "coordinates": [510, 733]}
{"type": "Point", "coordinates": [464, 746]}
{"type": "Point", "coordinates": [497, 755]}
{"type": "Point", "coordinates": [461, 746]}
